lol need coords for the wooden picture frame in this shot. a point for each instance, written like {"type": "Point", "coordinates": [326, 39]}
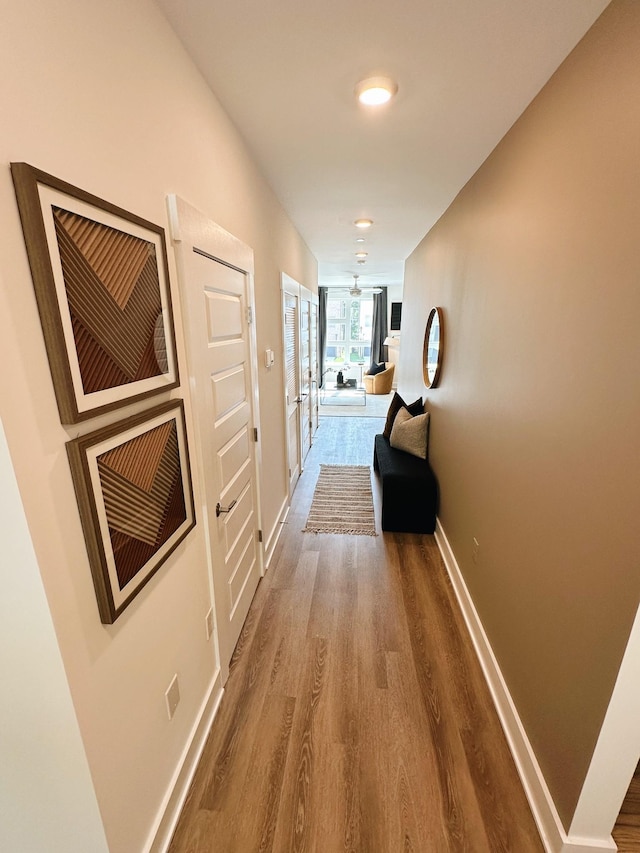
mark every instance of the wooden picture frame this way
{"type": "Point", "coordinates": [101, 281]}
{"type": "Point", "coordinates": [133, 485]}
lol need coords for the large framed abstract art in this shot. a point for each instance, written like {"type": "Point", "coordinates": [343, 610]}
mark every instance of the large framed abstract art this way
{"type": "Point", "coordinates": [102, 286]}
{"type": "Point", "coordinates": [135, 498]}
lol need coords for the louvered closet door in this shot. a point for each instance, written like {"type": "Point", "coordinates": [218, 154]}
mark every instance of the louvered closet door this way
{"type": "Point", "coordinates": [291, 345]}
{"type": "Point", "coordinates": [313, 384]}
{"type": "Point", "coordinates": [305, 378]}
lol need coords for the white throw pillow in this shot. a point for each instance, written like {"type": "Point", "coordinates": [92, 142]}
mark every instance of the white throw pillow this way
{"type": "Point", "coordinates": [409, 433]}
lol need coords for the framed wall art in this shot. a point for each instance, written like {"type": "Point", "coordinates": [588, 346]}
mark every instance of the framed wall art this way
{"type": "Point", "coordinates": [133, 486]}
{"type": "Point", "coordinates": [101, 281]}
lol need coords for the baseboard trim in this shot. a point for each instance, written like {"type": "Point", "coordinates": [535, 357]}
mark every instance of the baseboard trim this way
{"type": "Point", "coordinates": [274, 535]}
{"type": "Point", "coordinates": [546, 816]}
{"type": "Point", "coordinates": [169, 812]}
{"type": "Point", "coordinates": [587, 845]}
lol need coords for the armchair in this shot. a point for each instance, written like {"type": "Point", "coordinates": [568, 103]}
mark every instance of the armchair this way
{"type": "Point", "coordinates": [380, 383]}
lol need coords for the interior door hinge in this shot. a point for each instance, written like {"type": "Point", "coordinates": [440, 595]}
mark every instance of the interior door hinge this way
{"type": "Point", "coordinates": [259, 535]}
{"type": "Point", "coordinates": [249, 314]}
{"type": "Point", "coordinates": [255, 433]}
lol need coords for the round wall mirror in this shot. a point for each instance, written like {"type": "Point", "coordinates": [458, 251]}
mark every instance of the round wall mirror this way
{"type": "Point", "coordinates": [432, 352]}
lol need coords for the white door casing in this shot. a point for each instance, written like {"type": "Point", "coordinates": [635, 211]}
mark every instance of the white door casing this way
{"type": "Point", "coordinates": [215, 272]}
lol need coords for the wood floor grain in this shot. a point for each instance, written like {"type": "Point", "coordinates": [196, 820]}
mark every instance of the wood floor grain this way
{"type": "Point", "coordinates": [356, 718]}
{"type": "Point", "coordinates": [626, 832]}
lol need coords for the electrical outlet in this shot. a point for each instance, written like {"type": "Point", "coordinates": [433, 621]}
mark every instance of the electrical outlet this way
{"type": "Point", "coordinates": [172, 696]}
{"type": "Point", "coordinates": [476, 550]}
{"type": "Point", "coordinates": [209, 623]}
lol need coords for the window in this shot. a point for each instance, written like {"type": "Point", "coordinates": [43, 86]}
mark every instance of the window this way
{"type": "Point", "coordinates": [349, 322]}
{"type": "Point", "coordinates": [336, 331]}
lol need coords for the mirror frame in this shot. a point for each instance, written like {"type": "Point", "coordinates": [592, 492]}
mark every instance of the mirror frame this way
{"type": "Point", "coordinates": [432, 382]}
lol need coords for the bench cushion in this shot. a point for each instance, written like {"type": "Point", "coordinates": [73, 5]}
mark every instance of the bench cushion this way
{"type": "Point", "coordinates": [409, 489]}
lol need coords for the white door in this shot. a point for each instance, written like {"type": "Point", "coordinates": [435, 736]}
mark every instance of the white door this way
{"type": "Point", "coordinates": [305, 378]}
{"type": "Point", "coordinates": [292, 385]}
{"type": "Point", "coordinates": [216, 288]}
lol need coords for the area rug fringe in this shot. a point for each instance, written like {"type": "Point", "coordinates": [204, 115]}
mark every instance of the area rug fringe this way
{"type": "Point", "coordinates": [342, 502]}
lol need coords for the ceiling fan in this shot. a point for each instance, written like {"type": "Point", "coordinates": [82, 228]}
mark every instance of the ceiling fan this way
{"type": "Point", "coordinates": [356, 290]}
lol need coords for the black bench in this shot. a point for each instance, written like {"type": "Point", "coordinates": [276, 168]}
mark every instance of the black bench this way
{"type": "Point", "coordinates": [409, 489]}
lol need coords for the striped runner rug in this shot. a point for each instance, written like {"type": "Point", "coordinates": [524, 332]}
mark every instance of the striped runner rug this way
{"type": "Point", "coordinates": [342, 501]}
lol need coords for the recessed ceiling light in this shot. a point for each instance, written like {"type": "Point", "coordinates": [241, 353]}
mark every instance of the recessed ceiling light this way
{"type": "Point", "coordinates": [359, 239]}
{"type": "Point", "coordinates": [361, 254]}
{"type": "Point", "coordinates": [363, 223]}
{"type": "Point", "coordinates": [376, 90]}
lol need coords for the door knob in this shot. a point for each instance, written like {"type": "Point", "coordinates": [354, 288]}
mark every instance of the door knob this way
{"type": "Point", "coordinates": [220, 509]}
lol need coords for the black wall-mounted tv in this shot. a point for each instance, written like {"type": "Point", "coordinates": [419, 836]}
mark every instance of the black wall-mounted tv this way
{"type": "Point", "coordinates": [396, 316]}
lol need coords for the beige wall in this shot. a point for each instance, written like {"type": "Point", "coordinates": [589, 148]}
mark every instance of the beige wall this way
{"type": "Point", "coordinates": [103, 96]}
{"type": "Point", "coordinates": [43, 760]}
{"type": "Point", "coordinates": [536, 426]}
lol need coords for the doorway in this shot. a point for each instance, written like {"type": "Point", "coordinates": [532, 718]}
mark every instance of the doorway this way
{"type": "Point", "coordinates": [215, 274]}
{"type": "Point", "coordinates": [350, 317]}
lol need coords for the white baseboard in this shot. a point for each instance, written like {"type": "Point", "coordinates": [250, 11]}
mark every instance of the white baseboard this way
{"type": "Point", "coordinates": [169, 812]}
{"type": "Point", "coordinates": [587, 845]}
{"type": "Point", "coordinates": [274, 535]}
{"type": "Point", "coordinates": [550, 827]}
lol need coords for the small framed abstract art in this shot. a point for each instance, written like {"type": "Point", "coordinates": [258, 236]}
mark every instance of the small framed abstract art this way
{"type": "Point", "coordinates": [101, 280]}
{"type": "Point", "coordinates": [133, 486]}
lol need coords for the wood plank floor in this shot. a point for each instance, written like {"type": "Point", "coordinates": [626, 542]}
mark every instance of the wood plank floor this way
{"type": "Point", "coordinates": [626, 832]}
{"type": "Point", "coordinates": [356, 717]}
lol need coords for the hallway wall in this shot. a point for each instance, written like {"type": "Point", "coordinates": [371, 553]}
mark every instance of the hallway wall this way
{"type": "Point", "coordinates": [535, 427]}
{"type": "Point", "coordinates": [42, 762]}
{"type": "Point", "coordinates": [103, 96]}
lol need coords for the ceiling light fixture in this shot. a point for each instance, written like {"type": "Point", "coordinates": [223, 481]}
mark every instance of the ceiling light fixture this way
{"type": "Point", "coordinates": [363, 223]}
{"type": "Point", "coordinates": [361, 254]}
{"type": "Point", "coordinates": [359, 239]}
{"type": "Point", "coordinates": [376, 90]}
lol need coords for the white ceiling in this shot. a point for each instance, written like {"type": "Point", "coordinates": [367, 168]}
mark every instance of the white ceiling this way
{"type": "Point", "coordinates": [285, 71]}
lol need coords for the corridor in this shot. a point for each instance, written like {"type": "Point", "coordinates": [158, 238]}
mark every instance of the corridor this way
{"type": "Point", "coordinates": [355, 717]}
